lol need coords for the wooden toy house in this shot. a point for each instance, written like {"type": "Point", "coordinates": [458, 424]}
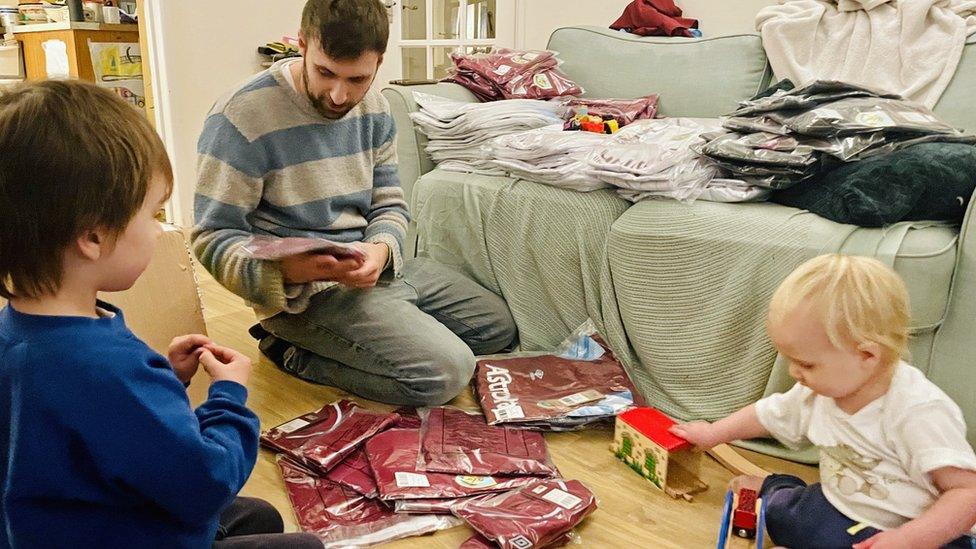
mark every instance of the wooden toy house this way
{"type": "Point", "coordinates": [642, 440]}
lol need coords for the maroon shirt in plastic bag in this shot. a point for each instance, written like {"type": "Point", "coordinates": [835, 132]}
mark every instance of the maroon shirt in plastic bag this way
{"type": "Point", "coordinates": [513, 390]}
{"type": "Point", "coordinates": [322, 439]}
{"type": "Point", "coordinates": [512, 74]}
{"type": "Point", "coordinates": [654, 18]}
{"type": "Point", "coordinates": [354, 472]}
{"type": "Point", "coordinates": [455, 441]}
{"type": "Point", "coordinates": [533, 516]}
{"type": "Point", "coordinates": [342, 517]}
{"type": "Point", "coordinates": [392, 457]}
{"type": "Point", "coordinates": [478, 541]}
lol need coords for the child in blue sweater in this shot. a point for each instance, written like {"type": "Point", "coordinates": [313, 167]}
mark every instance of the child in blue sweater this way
{"type": "Point", "coordinates": [98, 444]}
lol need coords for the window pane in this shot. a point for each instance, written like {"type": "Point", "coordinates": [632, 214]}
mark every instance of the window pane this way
{"type": "Point", "coordinates": [481, 19]}
{"type": "Point", "coordinates": [413, 24]}
{"type": "Point", "coordinates": [442, 60]}
{"type": "Point", "coordinates": [414, 63]}
{"type": "Point", "coordinates": [447, 20]}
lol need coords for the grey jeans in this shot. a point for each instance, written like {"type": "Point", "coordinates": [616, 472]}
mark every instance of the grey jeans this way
{"type": "Point", "coordinates": [410, 342]}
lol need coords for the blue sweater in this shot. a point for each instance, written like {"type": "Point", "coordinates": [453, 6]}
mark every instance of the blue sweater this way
{"type": "Point", "coordinates": [99, 446]}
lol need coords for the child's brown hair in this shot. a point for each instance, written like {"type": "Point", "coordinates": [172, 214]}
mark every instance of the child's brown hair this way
{"type": "Point", "coordinates": [73, 157]}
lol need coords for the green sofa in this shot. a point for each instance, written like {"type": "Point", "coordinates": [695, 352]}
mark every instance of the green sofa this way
{"type": "Point", "coordinates": [679, 290]}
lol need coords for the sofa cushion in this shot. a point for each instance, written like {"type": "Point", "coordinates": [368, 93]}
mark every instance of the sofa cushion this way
{"type": "Point", "coordinates": [956, 104]}
{"type": "Point", "coordinates": [694, 77]}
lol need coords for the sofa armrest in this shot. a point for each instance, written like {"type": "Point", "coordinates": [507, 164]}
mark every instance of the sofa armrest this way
{"type": "Point", "coordinates": [413, 159]}
{"type": "Point", "coordinates": [951, 366]}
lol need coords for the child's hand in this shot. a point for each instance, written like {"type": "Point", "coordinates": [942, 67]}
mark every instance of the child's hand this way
{"type": "Point", "coordinates": [223, 364]}
{"type": "Point", "coordinates": [699, 433]}
{"type": "Point", "coordinates": [184, 355]}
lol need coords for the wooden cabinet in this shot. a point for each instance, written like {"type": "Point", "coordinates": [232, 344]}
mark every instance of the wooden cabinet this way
{"type": "Point", "coordinates": [76, 37]}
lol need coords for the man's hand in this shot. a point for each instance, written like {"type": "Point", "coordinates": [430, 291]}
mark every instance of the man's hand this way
{"type": "Point", "coordinates": [366, 276]}
{"type": "Point", "coordinates": [184, 355]}
{"type": "Point", "coordinates": [302, 268]}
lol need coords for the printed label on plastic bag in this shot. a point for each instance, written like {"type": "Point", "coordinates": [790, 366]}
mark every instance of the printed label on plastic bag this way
{"type": "Point", "coordinates": [292, 425]}
{"type": "Point", "coordinates": [411, 480]}
{"type": "Point", "coordinates": [562, 499]}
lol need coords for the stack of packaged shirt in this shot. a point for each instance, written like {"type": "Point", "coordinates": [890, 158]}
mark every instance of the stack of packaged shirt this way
{"type": "Point", "coordinates": [548, 155]}
{"type": "Point", "coordinates": [791, 135]}
{"type": "Point", "coordinates": [358, 478]}
{"type": "Point", "coordinates": [503, 73]}
{"type": "Point", "coordinates": [656, 158]}
{"type": "Point", "coordinates": [580, 385]}
{"type": "Point", "coordinates": [459, 132]}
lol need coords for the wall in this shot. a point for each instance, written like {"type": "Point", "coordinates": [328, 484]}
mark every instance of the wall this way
{"type": "Point", "coordinates": [201, 50]}
{"type": "Point", "coordinates": [538, 18]}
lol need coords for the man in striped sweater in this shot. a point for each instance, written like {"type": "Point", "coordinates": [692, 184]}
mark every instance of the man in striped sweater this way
{"type": "Point", "coordinates": [306, 148]}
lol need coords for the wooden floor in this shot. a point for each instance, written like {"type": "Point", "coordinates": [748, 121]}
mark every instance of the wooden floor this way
{"type": "Point", "coordinates": [632, 513]}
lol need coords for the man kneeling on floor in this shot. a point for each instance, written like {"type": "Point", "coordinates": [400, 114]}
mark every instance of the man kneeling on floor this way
{"type": "Point", "coordinates": [307, 149]}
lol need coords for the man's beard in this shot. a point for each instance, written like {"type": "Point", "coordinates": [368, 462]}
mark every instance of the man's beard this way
{"type": "Point", "coordinates": [321, 104]}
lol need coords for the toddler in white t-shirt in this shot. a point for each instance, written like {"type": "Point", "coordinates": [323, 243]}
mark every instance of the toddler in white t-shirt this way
{"type": "Point", "coordinates": [895, 467]}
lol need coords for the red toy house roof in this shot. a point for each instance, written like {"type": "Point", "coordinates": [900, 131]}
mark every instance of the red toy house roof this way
{"type": "Point", "coordinates": [654, 425]}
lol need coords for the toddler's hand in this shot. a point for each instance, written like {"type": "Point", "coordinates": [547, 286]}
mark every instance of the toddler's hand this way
{"type": "Point", "coordinates": [699, 433]}
{"type": "Point", "coordinates": [184, 355]}
{"type": "Point", "coordinates": [223, 364]}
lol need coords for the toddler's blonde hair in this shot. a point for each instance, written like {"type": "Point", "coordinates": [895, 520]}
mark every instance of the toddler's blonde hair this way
{"type": "Point", "coordinates": [859, 300]}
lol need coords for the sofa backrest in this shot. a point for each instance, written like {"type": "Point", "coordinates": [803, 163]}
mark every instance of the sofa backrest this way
{"type": "Point", "coordinates": [957, 104]}
{"type": "Point", "coordinates": [699, 77]}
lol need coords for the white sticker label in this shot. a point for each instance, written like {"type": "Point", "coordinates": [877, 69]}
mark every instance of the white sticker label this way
{"type": "Point", "coordinates": [411, 480]}
{"type": "Point", "coordinates": [562, 499]}
{"type": "Point", "coordinates": [828, 113]}
{"type": "Point", "coordinates": [530, 56]}
{"type": "Point", "coordinates": [502, 70]}
{"type": "Point", "coordinates": [509, 413]}
{"type": "Point", "coordinates": [520, 542]}
{"type": "Point", "coordinates": [292, 425]}
{"type": "Point", "coordinates": [581, 398]}
{"type": "Point", "coordinates": [874, 119]}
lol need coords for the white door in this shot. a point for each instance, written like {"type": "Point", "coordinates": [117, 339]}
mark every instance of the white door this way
{"type": "Point", "coordinates": [424, 33]}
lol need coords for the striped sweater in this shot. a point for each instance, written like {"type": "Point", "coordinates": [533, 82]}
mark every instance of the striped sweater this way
{"type": "Point", "coordinates": [269, 164]}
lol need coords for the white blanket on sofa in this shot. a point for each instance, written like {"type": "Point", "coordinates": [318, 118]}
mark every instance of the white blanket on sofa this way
{"type": "Point", "coordinates": [910, 47]}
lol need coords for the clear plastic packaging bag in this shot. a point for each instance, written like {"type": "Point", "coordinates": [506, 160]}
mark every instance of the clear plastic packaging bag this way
{"type": "Point", "coordinates": [533, 516]}
{"type": "Point", "coordinates": [581, 380]}
{"type": "Point", "coordinates": [393, 456]}
{"type": "Point", "coordinates": [341, 517]}
{"type": "Point", "coordinates": [320, 440]}
{"type": "Point", "coordinates": [624, 111]}
{"type": "Point", "coordinates": [864, 115]}
{"type": "Point", "coordinates": [460, 442]}
{"type": "Point", "coordinates": [273, 248]}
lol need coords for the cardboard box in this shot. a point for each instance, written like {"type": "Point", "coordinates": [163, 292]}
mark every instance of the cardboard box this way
{"type": "Point", "coordinates": [165, 301]}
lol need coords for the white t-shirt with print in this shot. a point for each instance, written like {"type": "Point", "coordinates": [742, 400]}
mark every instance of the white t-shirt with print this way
{"type": "Point", "coordinates": [875, 463]}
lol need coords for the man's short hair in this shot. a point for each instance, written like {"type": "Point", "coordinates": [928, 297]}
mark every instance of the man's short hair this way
{"type": "Point", "coordinates": [73, 157]}
{"type": "Point", "coordinates": [347, 28]}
